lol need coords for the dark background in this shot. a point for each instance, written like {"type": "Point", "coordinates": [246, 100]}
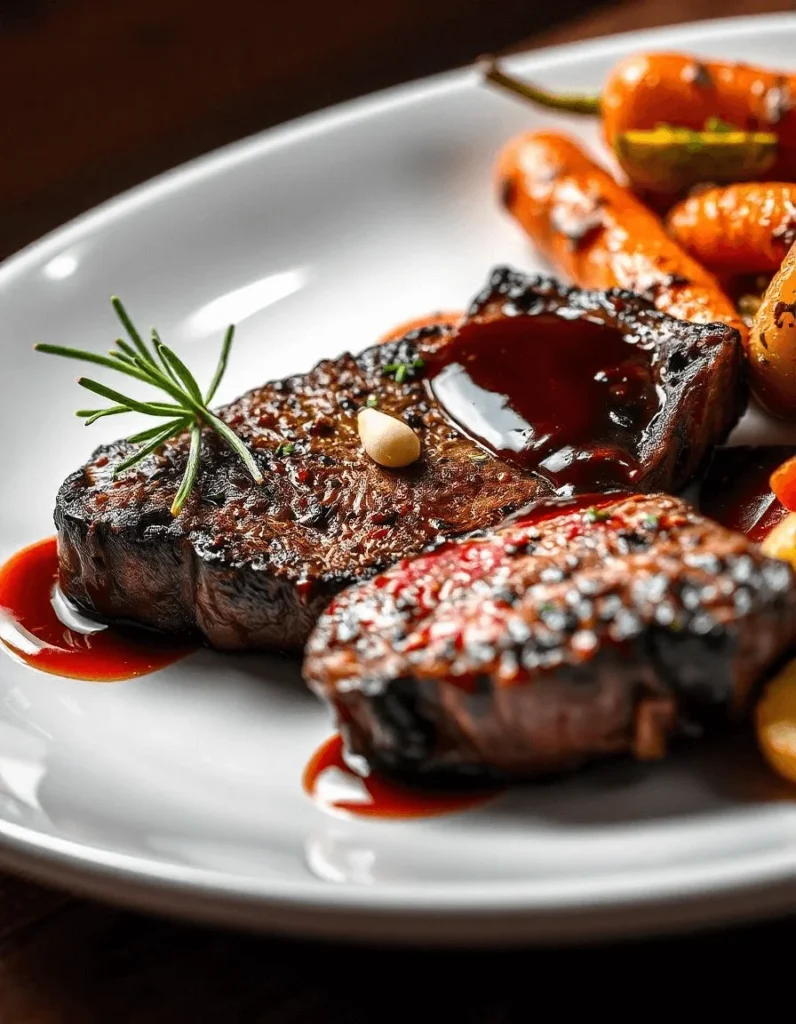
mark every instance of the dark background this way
{"type": "Point", "coordinates": [106, 93]}
{"type": "Point", "coordinates": [99, 95]}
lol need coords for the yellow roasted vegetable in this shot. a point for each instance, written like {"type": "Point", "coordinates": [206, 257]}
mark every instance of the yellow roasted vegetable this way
{"type": "Point", "coordinates": [776, 722]}
{"type": "Point", "coordinates": [771, 344]}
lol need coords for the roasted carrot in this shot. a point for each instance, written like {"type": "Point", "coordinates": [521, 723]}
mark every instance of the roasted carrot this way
{"type": "Point", "coordinates": [598, 233]}
{"type": "Point", "coordinates": [740, 229]}
{"type": "Point", "coordinates": [439, 319]}
{"type": "Point", "coordinates": [674, 88]}
{"type": "Point", "coordinates": [648, 93]}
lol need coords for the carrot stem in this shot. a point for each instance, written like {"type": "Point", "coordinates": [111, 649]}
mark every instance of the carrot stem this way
{"type": "Point", "coordinates": [572, 103]}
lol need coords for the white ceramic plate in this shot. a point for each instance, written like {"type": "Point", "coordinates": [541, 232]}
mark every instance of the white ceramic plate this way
{"type": "Point", "coordinates": [180, 792]}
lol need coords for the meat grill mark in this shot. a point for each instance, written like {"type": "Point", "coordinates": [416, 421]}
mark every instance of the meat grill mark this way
{"type": "Point", "coordinates": [252, 567]}
{"type": "Point", "coordinates": [548, 643]}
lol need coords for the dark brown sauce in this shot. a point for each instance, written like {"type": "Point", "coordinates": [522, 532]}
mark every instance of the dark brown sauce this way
{"type": "Point", "coordinates": [375, 797]}
{"type": "Point", "coordinates": [568, 399]}
{"type": "Point", "coordinates": [30, 627]}
{"type": "Point", "coordinates": [736, 490]}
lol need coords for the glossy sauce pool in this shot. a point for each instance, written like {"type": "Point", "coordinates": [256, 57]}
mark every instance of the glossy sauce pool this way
{"type": "Point", "coordinates": [568, 399]}
{"type": "Point", "coordinates": [41, 629]}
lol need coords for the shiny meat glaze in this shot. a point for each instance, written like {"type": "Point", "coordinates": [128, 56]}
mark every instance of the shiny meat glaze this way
{"type": "Point", "coordinates": [252, 567]}
{"type": "Point", "coordinates": [549, 642]}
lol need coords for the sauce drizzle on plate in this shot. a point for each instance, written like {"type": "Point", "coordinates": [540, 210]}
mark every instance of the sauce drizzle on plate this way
{"type": "Point", "coordinates": [335, 786]}
{"type": "Point", "coordinates": [39, 626]}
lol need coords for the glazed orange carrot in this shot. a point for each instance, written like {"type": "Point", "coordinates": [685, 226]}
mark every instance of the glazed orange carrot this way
{"type": "Point", "coordinates": [598, 233]}
{"type": "Point", "coordinates": [441, 318]}
{"type": "Point", "coordinates": [653, 104]}
{"type": "Point", "coordinates": [673, 88]}
{"type": "Point", "coordinates": [740, 229]}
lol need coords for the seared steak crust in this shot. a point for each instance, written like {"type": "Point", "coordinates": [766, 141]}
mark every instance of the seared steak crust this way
{"type": "Point", "coordinates": [549, 642]}
{"type": "Point", "coordinates": [252, 567]}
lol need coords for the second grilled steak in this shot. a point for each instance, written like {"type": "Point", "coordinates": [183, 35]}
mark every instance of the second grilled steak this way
{"type": "Point", "coordinates": [252, 567]}
{"type": "Point", "coordinates": [552, 641]}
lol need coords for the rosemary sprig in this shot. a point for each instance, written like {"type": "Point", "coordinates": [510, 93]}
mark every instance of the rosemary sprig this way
{"type": "Point", "coordinates": [160, 367]}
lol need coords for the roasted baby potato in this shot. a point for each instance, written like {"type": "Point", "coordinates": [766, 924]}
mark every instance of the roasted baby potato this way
{"type": "Point", "coordinates": [775, 719]}
{"type": "Point", "coordinates": [771, 344]}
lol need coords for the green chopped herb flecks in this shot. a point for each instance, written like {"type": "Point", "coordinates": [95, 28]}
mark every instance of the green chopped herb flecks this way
{"type": "Point", "coordinates": [160, 367]}
{"type": "Point", "coordinates": [284, 448]}
{"type": "Point", "coordinates": [400, 371]}
{"type": "Point", "coordinates": [372, 402]}
{"type": "Point", "coordinates": [651, 521]}
{"type": "Point", "coordinates": [596, 515]}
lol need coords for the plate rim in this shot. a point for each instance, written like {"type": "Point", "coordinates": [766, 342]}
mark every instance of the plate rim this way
{"type": "Point", "coordinates": [331, 117]}
{"type": "Point", "coordinates": [690, 900]}
{"type": "Point", "coordinates": [752, 886]}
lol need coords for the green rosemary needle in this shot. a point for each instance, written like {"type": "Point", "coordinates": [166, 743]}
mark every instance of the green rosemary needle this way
{"type": "Point", "coordinates": [160, 367]}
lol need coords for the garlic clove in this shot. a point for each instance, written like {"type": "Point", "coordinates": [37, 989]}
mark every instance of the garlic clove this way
{"type": "Point", "coordinates": [388, 441]}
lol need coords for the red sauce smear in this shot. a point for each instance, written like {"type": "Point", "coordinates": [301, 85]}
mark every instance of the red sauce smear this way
{"type": "Point", "coordinates": [554, 507]}
{"type": "Point", "coordinates": [377, 797]}
{"type": "Point", "coordinates": [736, 490]}
{"type": "Point", "coordinates": [31, 629]}
{"type": "Point", "coordinates": [568, 399]}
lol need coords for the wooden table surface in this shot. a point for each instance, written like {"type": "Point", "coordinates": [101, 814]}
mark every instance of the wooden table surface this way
{"type": "Point", "coordinates": [166, 80]}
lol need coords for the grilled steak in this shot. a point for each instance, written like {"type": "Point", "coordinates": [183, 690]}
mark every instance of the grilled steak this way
{"type": "Point", "coordinates": [252, 567]}
{"type": "Point", "coordinates": [551, 641]}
